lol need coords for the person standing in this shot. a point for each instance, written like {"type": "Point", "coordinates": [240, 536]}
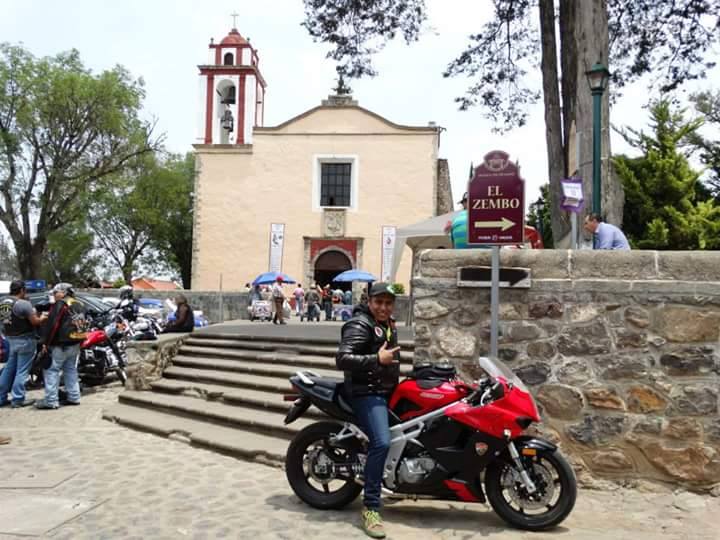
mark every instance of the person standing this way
{"type": "Point", "coordinates": [19, 321]}
{"type": "Point", "coordinates": [278, 297]}
{"type": "Point", "coordinates": [327, 302]}
{"type": "Point", "coordinates": [299, 294]}
{"type": "Point", "coordinates": [313, 300]}
{"type": "Point", "coordinates": [61, 337]}
{"type": "Point", "coordinates": [369, 356]}
{"type": "Point", "coordinates": [605, 235]}
{"type": "Point", "coordinates": [347, 297]}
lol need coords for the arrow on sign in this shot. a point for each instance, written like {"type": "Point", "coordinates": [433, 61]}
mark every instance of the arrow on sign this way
{"type": "Point", "coordinates": [504, 224]}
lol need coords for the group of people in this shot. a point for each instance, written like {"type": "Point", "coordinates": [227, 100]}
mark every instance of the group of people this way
{"type": "Point", "coordinates": [604, 235]}
{"type": "Point", "coordinates": [311, 301]}
{"type": "Point", "coordinates": [57, 332]}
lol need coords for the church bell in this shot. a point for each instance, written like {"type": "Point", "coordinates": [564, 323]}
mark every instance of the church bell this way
{"type": "Point", "coordinates": [229, 98]}
{"type": "Point", "coordinates": [227, 121]}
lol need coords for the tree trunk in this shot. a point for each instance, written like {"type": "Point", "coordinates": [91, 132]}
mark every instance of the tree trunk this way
{"type": "Point", "coordinates": [591, 39]}
{"type": "Point", "coordinates": [553, 127]}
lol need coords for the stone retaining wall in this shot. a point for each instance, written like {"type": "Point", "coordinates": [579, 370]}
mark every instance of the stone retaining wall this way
{"type": "Point", "coordinates": [234, 303]}
{"type": "Point", "coordinates": [147, 360]}
{"type": "Point", "coordinates": [619, 348]}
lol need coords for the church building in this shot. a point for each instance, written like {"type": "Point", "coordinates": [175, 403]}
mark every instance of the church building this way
{"type": "Point", "coordinates": [318, 194]}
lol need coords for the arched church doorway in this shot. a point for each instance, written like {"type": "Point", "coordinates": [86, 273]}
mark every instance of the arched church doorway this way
{"type": "Point", "coordinates": [330, 264]}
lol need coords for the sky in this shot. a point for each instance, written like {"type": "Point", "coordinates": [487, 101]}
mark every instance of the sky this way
{"type": "Point", "coordinates": [163, 41]}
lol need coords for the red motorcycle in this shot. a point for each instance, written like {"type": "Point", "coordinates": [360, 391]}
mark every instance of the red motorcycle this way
{"type": "Point", "coordinates": [448, 440]}
{"type": "Point", "coordinates": [100, 354]}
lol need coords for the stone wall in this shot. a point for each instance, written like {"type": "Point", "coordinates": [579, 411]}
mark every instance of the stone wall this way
{"type": "Point", "coordinates": [234, 304]}
{"type": "Point", "coordinates": [147, 360]}
{"type": "Point", "coordinates": [619, 348]}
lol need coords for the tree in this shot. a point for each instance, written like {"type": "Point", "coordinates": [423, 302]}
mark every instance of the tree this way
{"type": "Point", "coordinates": [144, 220]}
{"type": "Point", "coordinates": [69, 255]}
{"type": "Point", "coordinates": [172, 236]}
{"type": "Point", "coordinates": [539, 217]}
{"type": "Point", "coordinates": [639, 37]}
{"type": "Point", "coordinates": [666, 204]}
{"type": "Point", "coordinates": [124, 215]}
{"type": "Point", "coordinates": [63, 132]}
{"type": "Point", "coordinates": [708, 104]}
{"type": "Point", "coordinates": [8, 262]}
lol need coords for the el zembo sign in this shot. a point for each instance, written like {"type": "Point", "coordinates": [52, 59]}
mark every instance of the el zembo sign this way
{"type": "Point", "coordinates": [496, 202]}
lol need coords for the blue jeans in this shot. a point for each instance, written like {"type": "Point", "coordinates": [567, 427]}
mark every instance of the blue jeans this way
{"type": "Point", "coordinates": [13, 377]}
{"type": "Point", "coordinates": [372, 415]}
{"type": "Point", "coordinates": [64, 358]}
{"type": "Point", "coordinates": [299, 305]}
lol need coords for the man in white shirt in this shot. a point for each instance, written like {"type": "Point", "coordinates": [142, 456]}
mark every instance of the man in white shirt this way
{"type": "Point", "coordinates": [278, 297]}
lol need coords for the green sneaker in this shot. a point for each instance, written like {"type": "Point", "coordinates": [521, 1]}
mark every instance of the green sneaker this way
{"type": "Point", "coordinates": [372, 523]}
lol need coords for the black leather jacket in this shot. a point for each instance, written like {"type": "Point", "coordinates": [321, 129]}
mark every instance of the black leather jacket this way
{"type": "Point", "coordinates": [362, 338]}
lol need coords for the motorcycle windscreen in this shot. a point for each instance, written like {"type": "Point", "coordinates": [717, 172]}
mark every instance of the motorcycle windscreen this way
{"type": "Point", "coordinates": [497, 368]}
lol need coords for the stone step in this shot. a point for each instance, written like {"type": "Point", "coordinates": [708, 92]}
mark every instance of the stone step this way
{"type": "Point", "coordinates": [259, 368]}
{"type": "Point", "coordinates": [256, 399]}
{"type": "Point", "coordinates": [227, 378]}
{"type": "Point", "coordinates": [301, 361]}
{"type": "Point", "coordinates": [281, 347]}
{"type": "Point", "coordinates": [259, 421]}
{"type": "Point", "coordinates": [207, 334]}
{"type": "Point", "coordinates": [243, 366]}
{"type": "Point", "coordinates": [227, 440]}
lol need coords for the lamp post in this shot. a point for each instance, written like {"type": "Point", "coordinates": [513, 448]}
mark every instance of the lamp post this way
{"type": "Point", "coordinates": [597, 77]}
{"type": "Point", "coordinates": [539, 205]}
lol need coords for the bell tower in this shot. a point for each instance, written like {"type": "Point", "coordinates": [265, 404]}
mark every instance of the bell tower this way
{"type": "Point", "coordinates": [232, 92]}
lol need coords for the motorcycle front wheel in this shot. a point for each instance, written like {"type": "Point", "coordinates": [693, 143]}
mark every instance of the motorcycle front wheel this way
{"type": "Point", "coordinates": [548, 506]}
{"type": "Point", "coordinates": [318, 470]}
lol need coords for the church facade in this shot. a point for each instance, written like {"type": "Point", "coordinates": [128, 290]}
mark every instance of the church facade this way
{"type": "Point", "coordinates": [316, 195]}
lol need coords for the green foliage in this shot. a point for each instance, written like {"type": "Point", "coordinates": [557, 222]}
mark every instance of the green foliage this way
{"type": "Point", "coordinates": [708, 105]}
{"type": "Point", "coordinates": [539, 216]}
{"type": "Point", "coordinates": [69, 256]}
{"type": "Point", "coordinates": [399, 288]}
{"type": "Point", "coordinates": [119, 283]}
{"type": "Point", "coordinates": [666, 205]}
{"type": "Point", "coordinates": [172, 235]}
{"type": "Point", "coordinates": [64, 132]}
{"type": "Point", "coordinates": [8, 262]}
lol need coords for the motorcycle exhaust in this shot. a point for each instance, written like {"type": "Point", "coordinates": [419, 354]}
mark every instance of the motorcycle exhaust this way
{"type": "Point", "coordinates": [399, 496]}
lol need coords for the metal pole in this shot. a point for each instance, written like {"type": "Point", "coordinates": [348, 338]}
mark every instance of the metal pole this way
{"type": "Point", "coordinates": [597, 123]}
{"type": "Point", "coordinates": [494, 301]}
{"type": "Point", "coordinates": [574, 229]}
{"type": "Point", "coordinates": [222, 307]}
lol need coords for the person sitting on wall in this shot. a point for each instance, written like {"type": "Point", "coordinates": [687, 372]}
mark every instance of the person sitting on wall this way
{"type": "Point", "coordinates": [184, 317]}
{"type": "Point", "coordinates": [605, 235]}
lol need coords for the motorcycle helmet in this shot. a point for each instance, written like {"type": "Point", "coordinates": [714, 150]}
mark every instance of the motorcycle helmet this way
{"type": "Point", "coordinates": [126, 292]}
{"type": "Point", "coordinates": [66, 288]}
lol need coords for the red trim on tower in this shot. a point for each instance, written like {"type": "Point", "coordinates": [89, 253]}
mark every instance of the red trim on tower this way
{"type": "Point", "coordinates": [241, 111]}
{"type": "Point", "coordinates": [257, 96]}
{"type": "Point", "coordinates": [218, 52]}
{"type": "Point", "coordinates": [262, 112]}
{"type": "Point", "coordinates": [209, 108]}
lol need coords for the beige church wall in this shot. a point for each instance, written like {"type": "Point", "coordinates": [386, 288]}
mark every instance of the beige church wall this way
{"type": "Point", "coordinates": [239, 194]}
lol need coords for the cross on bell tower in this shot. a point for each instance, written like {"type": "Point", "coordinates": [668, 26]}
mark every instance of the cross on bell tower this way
{"type": "Point", "coordinates": [232, 91]}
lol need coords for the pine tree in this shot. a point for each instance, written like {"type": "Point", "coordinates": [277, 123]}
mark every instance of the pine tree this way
{"type": "Point", "coordinates": [666, 204]}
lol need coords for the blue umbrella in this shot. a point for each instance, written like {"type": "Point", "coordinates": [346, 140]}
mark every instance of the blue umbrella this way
{"type": "Point", "coordinates": [355, 275]}
{"type": "Point", "coordinates": [271, 277]}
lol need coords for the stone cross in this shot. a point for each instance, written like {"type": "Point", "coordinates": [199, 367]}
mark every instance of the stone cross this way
{"type": "Point", "coordinates": [234, 16]}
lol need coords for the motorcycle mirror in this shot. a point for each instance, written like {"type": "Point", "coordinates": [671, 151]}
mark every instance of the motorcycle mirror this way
{"type": "Point", "coordinates": [497, 391]}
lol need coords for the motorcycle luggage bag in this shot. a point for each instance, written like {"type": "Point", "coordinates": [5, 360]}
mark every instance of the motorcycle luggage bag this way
{"type": "Point", "coordinates": [429, 371]}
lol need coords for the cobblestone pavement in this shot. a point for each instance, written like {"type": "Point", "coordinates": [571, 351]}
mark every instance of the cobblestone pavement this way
{"type": "Point", "coordinates": [147, 487]}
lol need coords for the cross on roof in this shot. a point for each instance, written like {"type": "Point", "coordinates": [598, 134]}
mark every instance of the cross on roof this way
{"type": "Point", "coordinates": [234, 16]}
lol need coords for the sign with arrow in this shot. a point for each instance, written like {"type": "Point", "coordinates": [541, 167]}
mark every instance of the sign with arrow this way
{"type": "Point", "coordinates": [496, 202]}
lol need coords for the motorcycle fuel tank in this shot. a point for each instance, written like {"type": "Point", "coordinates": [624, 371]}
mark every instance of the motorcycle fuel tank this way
{"type": "Point", "coordinates": [94, 337]}
{"type": "Point", "coordinates": [413, 397]}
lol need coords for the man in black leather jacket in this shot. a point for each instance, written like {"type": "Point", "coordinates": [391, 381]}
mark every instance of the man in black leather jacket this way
{"type": "Point", "coordinates": [370, 358]}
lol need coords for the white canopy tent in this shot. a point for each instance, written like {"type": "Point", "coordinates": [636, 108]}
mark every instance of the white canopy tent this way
{"type": "Point", "coordinates": [428, 234]}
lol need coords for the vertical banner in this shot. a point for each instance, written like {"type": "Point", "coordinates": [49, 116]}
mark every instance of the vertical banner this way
{"type": "Point", "coordinates": [388, 246]}
{"type": "Point", "coordinates": [277, 237]}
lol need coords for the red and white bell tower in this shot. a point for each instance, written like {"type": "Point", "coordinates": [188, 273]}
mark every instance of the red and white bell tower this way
{"type": "Point", "coordinates": [232, 92]}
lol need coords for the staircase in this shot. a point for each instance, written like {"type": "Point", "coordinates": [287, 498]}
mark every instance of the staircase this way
{"type": "Point", "coordinates": [225, 392]}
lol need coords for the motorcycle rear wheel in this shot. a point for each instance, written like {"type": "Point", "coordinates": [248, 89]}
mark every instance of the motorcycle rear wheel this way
{"type": "Point", "coordinates": [303, 454]}
{"type": "Point", "coordinates": [508, 500]}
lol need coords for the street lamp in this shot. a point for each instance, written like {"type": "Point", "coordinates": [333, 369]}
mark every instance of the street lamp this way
{"type": "Point", "coordinates": [539, 205]}
{"type": "Point", "coordinates": [597, 77]}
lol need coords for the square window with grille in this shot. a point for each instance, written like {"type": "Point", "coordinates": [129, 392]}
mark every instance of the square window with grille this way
{"type": "Point", "coordinates": [335, 183]}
